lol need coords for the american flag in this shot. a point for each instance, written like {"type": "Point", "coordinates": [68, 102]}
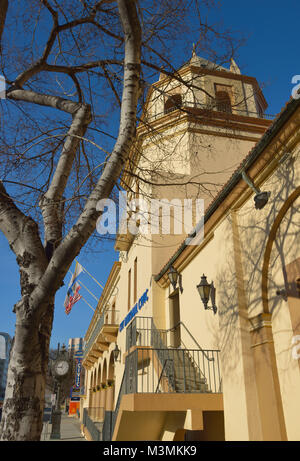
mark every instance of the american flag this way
{"type": "Point", "coordinates": [72, 299]}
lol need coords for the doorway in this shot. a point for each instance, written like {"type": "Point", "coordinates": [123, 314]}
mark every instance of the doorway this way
{"type": "Point", "coordinates": [174, 312]}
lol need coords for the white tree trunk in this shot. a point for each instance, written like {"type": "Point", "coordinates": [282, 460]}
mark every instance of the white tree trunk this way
{"type": "Point", "coordinates": [40, 276]}
{"type": "Point", "coordinates": [24, 398]}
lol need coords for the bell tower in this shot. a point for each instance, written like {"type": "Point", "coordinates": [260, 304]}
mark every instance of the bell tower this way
{"type": "Point", "coordinates": [197, 127]}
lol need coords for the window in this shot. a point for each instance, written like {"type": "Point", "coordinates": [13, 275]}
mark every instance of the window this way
{"type": "Point", "coordinates": [172, 103]}
{"type": "Point", "coordinates": [223, 102]}
{"type": "Point", "coordinates": [129, 289]}
{"type": "Point", "coordinates": [298, 286]}
{"type": "Point", "coordinates": [135, 281]}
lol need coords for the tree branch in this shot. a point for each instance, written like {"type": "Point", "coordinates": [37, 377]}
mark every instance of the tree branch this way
{"type": "Point", "coordinates": [3, 12]}
{"type": "Point", "coordinates": [86, 223]}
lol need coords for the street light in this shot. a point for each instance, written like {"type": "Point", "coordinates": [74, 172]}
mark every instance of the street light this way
{"type": "Point", "coordinates": [207, 290]}
{"type": "Point", "coordinates": [61, 369]}
{"type": "Point", "coordinates": [175, 277]}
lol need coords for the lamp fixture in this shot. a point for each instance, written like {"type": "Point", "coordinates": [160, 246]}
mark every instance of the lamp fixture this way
{"type": "Point", "coordinates": [175, 277]}
{"type": "Point", "coordinates": [207, 290]}
{"type": "Point", "coordinates": [117, 353]}
{"type": "Point", "coordinates": [260, 198]}
{"type": "Point", "coordinates": [282, 293]}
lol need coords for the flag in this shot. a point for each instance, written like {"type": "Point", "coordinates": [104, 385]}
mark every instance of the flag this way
{"type": "Point", "coordinates": [73, 287]}
{"type": "Point", "coordinates": [72, 299]}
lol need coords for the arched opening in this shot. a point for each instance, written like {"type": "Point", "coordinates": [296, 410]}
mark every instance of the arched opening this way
{"type": "Point", "coordinates": [110, 384]}
{"type": "Point", "coordinates": [92, 394]}
{"type": "Point", "coordinates": [97, 411]}
{"type": "Point", "coordinates": [103, 389]}
{"type": "Point", "coordinates": [223, 102]}
{"type": "Point", "coordinates": [172, 103]}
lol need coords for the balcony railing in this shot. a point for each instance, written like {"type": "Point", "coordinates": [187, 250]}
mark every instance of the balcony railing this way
{"type": "Point", "coordinates": [150, 370]}
{"type": "Point", "coordinates": [96, 413]}
{"type": "Point", "coordinates": [93, 430]}
{"type": "Point", "coordinates": [109, 317]}
{"type": "Point", "coordinates": [185, 106]}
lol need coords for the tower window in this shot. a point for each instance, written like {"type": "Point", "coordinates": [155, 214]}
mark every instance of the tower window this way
{"type": "Point", "coordinates": [129, 289]}
{"type": "Point", "coordinates": [172, 103]}
{"type": "Point", "coordinates": [223, 102]}
{"type": "Point", "coordinates": [135, 282]}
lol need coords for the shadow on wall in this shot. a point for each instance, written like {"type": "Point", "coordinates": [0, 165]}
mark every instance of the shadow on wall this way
{"type": "Point", "coordinates": [254, 228]}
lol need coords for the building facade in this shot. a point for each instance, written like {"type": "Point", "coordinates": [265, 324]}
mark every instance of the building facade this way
{"type": "Point", "coordinates": [75, 349]}
{"type": "Point", "coordinates": [160, 363]}
{"type": "Point", "coordinates": [75, 345]}
{"type": "Point", "coordinates": [5, 347]}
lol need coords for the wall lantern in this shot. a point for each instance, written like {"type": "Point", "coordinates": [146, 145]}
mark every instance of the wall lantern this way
{"type": "Point", "coordinates": [207, 290]}
{"type": "Point", "coordinates": [260, 198]}
{"type": "Point", "coordinates": [175, 277]}
{"type": "Point", "coordinates": [116, 353]}
{"type": "Point", "coordinates": [282, 293]}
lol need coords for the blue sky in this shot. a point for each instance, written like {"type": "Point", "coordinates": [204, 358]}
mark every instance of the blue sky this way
{"type": "Point", "coordinates": [271, 54]}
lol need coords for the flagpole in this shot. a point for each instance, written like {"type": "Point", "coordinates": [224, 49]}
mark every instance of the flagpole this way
{"type": "Point", "coordinates": [97, 299]}
{"type": "Point", "coordinates": [90, 275]}
{"type": "Point", "coordinates": [87, 303]}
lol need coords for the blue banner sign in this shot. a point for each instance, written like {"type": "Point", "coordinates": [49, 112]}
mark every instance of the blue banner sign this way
{"type": "Point", "coordinates": [78, 373]}
{"type": "Point", "coordinates": [132, 313]}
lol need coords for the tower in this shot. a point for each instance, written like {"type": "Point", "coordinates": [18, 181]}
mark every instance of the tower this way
{"type": "Point", "coordinates": [196, 128]}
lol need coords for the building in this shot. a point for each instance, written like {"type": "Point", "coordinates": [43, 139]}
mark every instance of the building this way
{"type": "Point", "coordinates": [75, 345]}
{"type": "Point", "coordinates": [161, 365]}
{"type": "Point", "coordinates": [75, 349]}
{"type": "Point", "coordinates": [5, 347]}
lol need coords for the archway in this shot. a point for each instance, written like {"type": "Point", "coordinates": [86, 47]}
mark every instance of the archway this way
{"type": "Point", "coordinates": [110, 384]}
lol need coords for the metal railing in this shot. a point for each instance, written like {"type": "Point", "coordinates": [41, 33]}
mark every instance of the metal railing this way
{"type": "Point", "coordinates": [93, 430]}
{"type": "Point", "coordinates": [139, 332]}
{"type": "Point", "coordinates": [121, 393]}
{"type": "Point", "coordinates": [143, 332]}
{"type": "Point", "coordinates": [152, 370]}
{"type": "Point", "coordinates": [185, 106]}
{"type": "Point", "coordinates": [96, 413]}
{"type": "Point", "coordinates": [107, 426]}
{"type": "Point", "coordinates": [109, 317]}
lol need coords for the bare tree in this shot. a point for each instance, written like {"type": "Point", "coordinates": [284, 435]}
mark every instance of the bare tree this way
{"type": "Point", "coordinates": [53, 168]}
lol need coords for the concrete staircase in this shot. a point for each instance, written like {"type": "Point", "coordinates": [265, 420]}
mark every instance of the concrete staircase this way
{"type": "Point", "coordinates": [188, 377]}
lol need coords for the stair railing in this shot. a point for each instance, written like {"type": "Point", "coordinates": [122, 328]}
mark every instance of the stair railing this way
{"type": "Point", "coordinates": [162, 372]}
{"type": "Point", "coordinates": [190, 334]}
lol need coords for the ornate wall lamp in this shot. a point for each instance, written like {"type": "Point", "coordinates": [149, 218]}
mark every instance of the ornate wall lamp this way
{"type": "Point", "coordinates": [175, 277]}
{"type": "Point", "coordinates": [207, 290]}
{"type": "Point", "coordinates": [117, 354]}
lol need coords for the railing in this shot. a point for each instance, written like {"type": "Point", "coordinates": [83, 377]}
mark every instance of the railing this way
{"type": "Point", "coordinates": [94, 432]}
{"type": "Point", "coordinates": [96, 413]}
{"type": "Point", "coordinates": [109, 317]}
{"type": "Point", "coordinates": [121, 393]}
{"type": "Point", "coordinates": [152, 370]}
{"type": "Point", "coordinates": [185, 106]}
{"type": "Point", "coordinates": [107, 426]}
{"type": "Point", "coordinates": [143, 332]}
{"type": "Point", "coordinates": [139, 332]}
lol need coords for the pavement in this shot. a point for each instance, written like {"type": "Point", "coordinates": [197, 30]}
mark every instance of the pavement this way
{"type": "Point", "coordinates": [69, 430]}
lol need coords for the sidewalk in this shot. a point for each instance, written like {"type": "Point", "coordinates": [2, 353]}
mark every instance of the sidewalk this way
{"type": "Point", "coordinates": [69, 430]}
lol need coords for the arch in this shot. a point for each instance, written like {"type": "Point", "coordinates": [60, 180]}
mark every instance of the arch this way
{"type": "Point", "coordinates": [223, 101]}
{"type": "Point", "coordinates": [104, 372]}
{"type": "Point", "coordinates": [111, 368]}
{"type": "Point", "coordinates": [172, 103]}
{"type": "Point", "coordinates": [98, 380]}
{"type": "Point", "coordinates": [267, 255]}
{"type": "Point", "coordinates": [94, 378]}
